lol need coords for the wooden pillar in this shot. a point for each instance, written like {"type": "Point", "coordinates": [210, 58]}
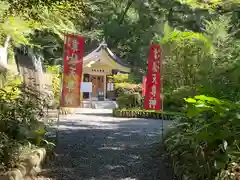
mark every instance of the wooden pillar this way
{"type": "Point", "coordinates": [114, 72]}
{"type": "Point", "coordinates": [81, 94]}
{"type": "Point", "coordinates": [104, 86]}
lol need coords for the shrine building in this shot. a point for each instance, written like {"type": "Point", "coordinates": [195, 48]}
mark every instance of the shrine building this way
{"type": "Point", "coordinates": [97, 67]}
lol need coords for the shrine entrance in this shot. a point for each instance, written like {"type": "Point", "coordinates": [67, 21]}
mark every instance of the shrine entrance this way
{"type": "Point", "coordinates": [98, 67]}
{"type": "Point", "coordinates": [97, 84]}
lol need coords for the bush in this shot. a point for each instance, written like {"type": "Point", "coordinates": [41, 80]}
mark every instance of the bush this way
{"type": "Point", "coordinates": [120, 78]}
{"type": "Point", "coordinates": [56, 80]}
{"type": "Point", "coordinates": [174, 101]}
{"type": "Point", "coordinates": [127, 88]}
{"type": "Point", "coordinates": [21, 109]}
{"type": "Point", "coordinates": [9, 150]}
{"type": "Point", "coordinates": [140, 113]}
{"type": "Point", "coordinates": [128, 95]}
{"type": "Point", "coordinates": [203, 145]}
{"type": "Point", "coordinates": [130, 101]}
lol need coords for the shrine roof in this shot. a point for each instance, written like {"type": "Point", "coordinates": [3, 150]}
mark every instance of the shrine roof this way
{"type": "Point", "coordinates": [97, 53]}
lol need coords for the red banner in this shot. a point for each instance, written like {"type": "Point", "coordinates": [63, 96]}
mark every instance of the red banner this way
{"type": "Point", "coordinates": [152, 99]}
{"type": "Point", "coordinates": [144, 85]}
{"type": "Point", "coordinates": [72, 70]}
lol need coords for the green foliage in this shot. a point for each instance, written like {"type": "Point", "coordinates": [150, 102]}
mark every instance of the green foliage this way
{"type": "Point", "coordinates": [199, 56]}
{"type": "Point", "coordinates": [21, 109]}
{"type": "Point", "coordinates": [19, 22]}
{"type": "Point", "coordinates": [9, 151]}
{"type": "Point", "coordinates": [17, 28]}
{"type": "Point", "coordinates": [120, 78]}
{"type": "Point", "coordinates": [174, 100]}
{"type": "Point", "coordinates": [48, 46]}
{"type": "Point", "coordinates": [205, 63]}
{"type": "Point", "coordinates": [125, 88]}
{"type": "Point", "coordinates": [203, 144]}
{"type": "Point", "coordinates": [56, 81]}
{"type": "Point", "coordinates": [186, 57]}
{"type": "Point", "coordinates": [124, 78]}
{"type": "Point", "coordinates": [130, 100]}
{"type": "Point", "coordinates": [9, 84]}
{"type": "Point", "coordinates": [212, 4]}
{"type": "Point", "coordinates": [225, 64]}
{"type": "Point", "coordinates": [128, 93]}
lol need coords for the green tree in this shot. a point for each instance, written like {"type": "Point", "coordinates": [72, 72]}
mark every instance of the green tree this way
{"type": "Point", "coordinates": [202, 62]}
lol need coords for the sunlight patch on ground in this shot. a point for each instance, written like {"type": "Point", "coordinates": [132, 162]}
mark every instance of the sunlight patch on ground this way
{"type": "Point", "coordinates": [134, 156]}
{"type": "Point", "coordinates": [153, 134]}
{"type": "Point", "coordinates": [112, 148]}
{"type": "Point", "coordinates": [110, 167]}
{"type": "Point", "coordinates": [110, 137]}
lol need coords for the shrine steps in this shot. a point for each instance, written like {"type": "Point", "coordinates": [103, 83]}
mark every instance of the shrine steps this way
{"type": "Point", "coordinates": [100, 104]}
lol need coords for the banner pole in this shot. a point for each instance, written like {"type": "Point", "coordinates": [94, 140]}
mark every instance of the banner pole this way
{"type": "Point", "coordinates": [75, 40]}
{"type": "Point", "coordinates": [59, 107]}
{"type": "Point", "coordinates": [60, 96]}
{"type": "Point", "coordinates": [161, 94]}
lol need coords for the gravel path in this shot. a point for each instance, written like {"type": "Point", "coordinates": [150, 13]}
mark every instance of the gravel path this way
{"type": "Point", "coordinates": [95, 146]}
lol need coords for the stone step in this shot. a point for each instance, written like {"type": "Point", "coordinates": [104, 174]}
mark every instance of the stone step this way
{"type": "Point", "coordinates": [100, 104]}
{"type": "Point", "coordinates": [106, 105]}
{"type": "Point", "coordinates": [87, 104]}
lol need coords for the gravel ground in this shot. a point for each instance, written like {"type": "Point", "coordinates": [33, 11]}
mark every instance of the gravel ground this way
{"type": "Point", "coordinates": [95, 146]}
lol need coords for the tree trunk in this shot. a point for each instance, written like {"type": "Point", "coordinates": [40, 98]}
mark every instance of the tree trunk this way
{"type": "Point", "coordinates": [125, 11]}
{"type": "Point", "coordinates": [6, 43]}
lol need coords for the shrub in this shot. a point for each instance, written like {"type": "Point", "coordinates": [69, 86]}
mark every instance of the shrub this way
{"type": "Point", "coordinates": [119, 78]}
{"type": "Point", "coordinates": [174, 101]}
{"type": "Point", "coordinates": [21, 109]}
{"type": "Point", "coordinates": [127, 88]}
{"type": "Point", "coordinates": [129, 101]}
{"type": "Point", "coordinates": [129, 95]}
{"type": "Point", "coordinates": [9, 150]}
{"type": "Point", "coordinates": [56, 80]}
{"type": "Point", "coordinates": [207, 142]}
{"type": "Point", "coordinates": [140, 113]}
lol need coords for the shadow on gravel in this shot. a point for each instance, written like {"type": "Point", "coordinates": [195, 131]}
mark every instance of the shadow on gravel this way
{"type": "Point", "coordinates": [109, 153]}
{"type": "Point", "coordinates": [131, 123]}
{"type": "Point", "coordinates": [97, 114]}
